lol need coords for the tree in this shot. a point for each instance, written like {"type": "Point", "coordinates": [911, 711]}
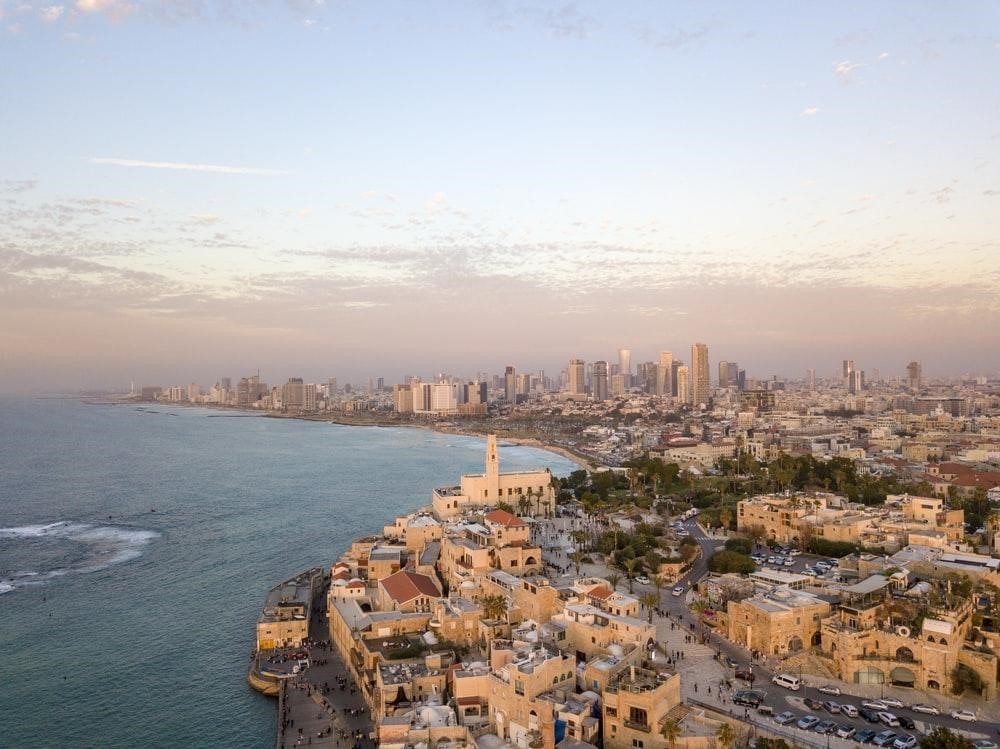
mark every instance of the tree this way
{"type": "Point", "coordinates": [523, 504]}
{"type": "Point", "coordinates": [659, 582]}
{"type": "Point", "coordinates": [631, 565]}
{"type": "Point", "coordinates": [613, 579]}
{"type": "Point", "coordinates": [650, 601]}
{"type": "Point", "coordinates": [725, 735]}
{"type": "Point", "coordinates": [671, 732]}
{"type": "Point", "coordinates": [942, 738]}
{"type": "Point", "coordinates": [963, 677]}
{"type": "Point", "coordinates": [494, 607]}
{"type": "Point", "coordinates": [731, 561]}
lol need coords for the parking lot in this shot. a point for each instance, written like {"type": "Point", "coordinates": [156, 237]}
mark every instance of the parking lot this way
{"type": "Point", "coordinates": [771, 559]}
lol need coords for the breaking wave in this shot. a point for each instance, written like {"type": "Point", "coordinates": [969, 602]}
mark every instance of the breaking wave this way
{"type": "Point", "coordinates": [102, 546]}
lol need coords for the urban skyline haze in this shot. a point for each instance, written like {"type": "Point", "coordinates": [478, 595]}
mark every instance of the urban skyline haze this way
{"type": "Point", "coordinates": [196, 189]}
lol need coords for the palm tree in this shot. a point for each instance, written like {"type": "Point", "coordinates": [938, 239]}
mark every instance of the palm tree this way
{"type": "Point", "coordinates": [494, 607]}
{"type": "Point", "coordinates": [523, 504]}
{"type": "Point", "coordinates": [650, 601]}
{"type": "Point", "coordinates": [659, 582]}
{"type": "Point", "coordinates": [630, 567]}
{"type": "Point", "coordinates": [725, 735]}
{"type": "Point", "coordinates": [613, 579]}
{"type": "Point", "coordinates": [671, 732]}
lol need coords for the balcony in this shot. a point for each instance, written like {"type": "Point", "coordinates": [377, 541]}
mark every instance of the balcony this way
{"type": "Point", "coordinates": [636, 726]}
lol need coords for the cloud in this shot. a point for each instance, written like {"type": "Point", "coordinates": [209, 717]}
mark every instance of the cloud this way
{"type": "Point", "coordinates": [115, 9]}
{"type": "Point", "coordinates": [809, 112]}
{"type": "Point", "coordinates": [437, 202]}
{"type": "Point", "coordinates": [845, 68]}
{"type": "Point", "coordinates": [568, 22]}
{"type": "Point", "coordinates": [361, 304]}
{"type": "Point", "coordinates": [51, 13]}
{"type": "Point", "coordinates": [944, 195]}
{"type": "Point", "coordinates": [991, 193]}
{"type": "Point", "coordinates": [883, 56]}
{"type": "Point", "coordinates": [17, 185]}
{"type": "Point", "coordinates": [674, 39]}
{"type": "Point", "coordinates": [180, 166]}
{"type": "Point", "coordinates": [204, 219]}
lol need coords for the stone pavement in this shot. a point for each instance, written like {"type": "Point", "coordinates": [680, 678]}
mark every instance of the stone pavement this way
{"type": "Point", "coordinates": [323, 707]}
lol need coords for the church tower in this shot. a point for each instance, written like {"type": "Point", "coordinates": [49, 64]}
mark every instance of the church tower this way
{"type": "Point", "coordinates": [492, 468]}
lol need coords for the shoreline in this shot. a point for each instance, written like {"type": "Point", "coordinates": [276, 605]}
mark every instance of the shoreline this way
{"type": "Point", "coordinates": [581, 459]}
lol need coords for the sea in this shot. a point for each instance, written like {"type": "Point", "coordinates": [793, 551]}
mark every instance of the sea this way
{"type": "Point", "coordinates": [137, 544]}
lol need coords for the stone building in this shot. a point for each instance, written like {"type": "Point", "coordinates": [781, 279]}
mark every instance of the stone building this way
{"type": "Point", "coordinates": [776, 623]}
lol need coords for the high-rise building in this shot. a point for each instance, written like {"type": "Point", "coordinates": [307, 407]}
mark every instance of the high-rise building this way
{"type": "Point", "coordinates": [600, 381]}
{"type": "Point", "coordinates": [577, 383]}
{"type": "Point", "coordinates": [848, 367]}
{"type": "Point", "coordinates": [913, 375]}
{"type": "Point", "coordinates": [625, 365]}
{"type": "Point", "coordinates": [856, 382]}
{"type": "Point", "coordinates": [510, 385]}
{"type": "Point", "coordinates": [811, 379]}
{"type": "Point", "coordinates": [741, 380]}
{"type": "Point", "coordinates": [683, 384]}
{"type": "Point", "coordinates": [293, 395]}
{"type": "Point", "coordinates": [674, 368]}
{"type": "Point", "coordinates": [618, 385]}
{"type": "Point", "coordinates": [700, 385]}
{"type": "Point", "coordinates": [664, 374]}
{"type": "Point", "coordinates": [728, 373]}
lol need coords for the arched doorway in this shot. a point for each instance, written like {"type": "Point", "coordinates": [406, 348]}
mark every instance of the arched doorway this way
{"type": "Point", "coordinates": [795, 644]}
{"type": "Point", "coordinates": [869, 675]}
{"type": "Point", "coordinates": [817, 639]}
{"type": "Point", "coordinates": [904, 654]}
{"type": "Point", "coordinates": [902, 677]}
{"type": "Point", "coordinates": [932, 684]}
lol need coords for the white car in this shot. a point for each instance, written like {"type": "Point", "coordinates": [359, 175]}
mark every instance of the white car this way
{"type": "Point", "coordinates": [849, 710]}
{"type": "Point", "coordinates": [678, 591]}
{"type": "Point", "coordinates": [829, 689]}
{"type": "Point", "coordinates": [926, 709]}
{"type": "Point", "coordinates": [889, 719]}
{"type": "Point", "coordinates": [891, 702]}
{"type": "Point", "coordinates": [642, 579]}
{"type": "Point", "coordinates": [874, 705]}
{"type": "Point", "coordinates": [965, 715]}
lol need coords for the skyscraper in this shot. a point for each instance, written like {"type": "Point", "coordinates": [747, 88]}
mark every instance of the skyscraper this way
{"type": "Point", "coordinates": [913, 375]}
{"type": "Point", "coordinates": [600, 381]}
{"type": "Point", "coordinates": [848, 367]}
{"type": "Point", "coordinates": [811, 379]}
{"type": "Point", "coordinates": [664, 374]}
{"type": "Point", "coordinates": [728, 372]}
{"type": "Point", "coordinates": [510, 384]}
{"type": "Point", "coordinates": [700, 387]}
{"type": "Point", "coordinates": [625, 365]}
{"type": "Point", "coordinates": [577, 383]}
{"type": "Point", "coordinates": [683, 384]}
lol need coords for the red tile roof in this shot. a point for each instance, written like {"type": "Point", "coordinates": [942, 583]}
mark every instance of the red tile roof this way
{"type": "Point", "coordinates": [504, 518]}
{"type": "Point", "coordinates": [404, 586]}
{"type": "Point", "coordinates": [601, 593]}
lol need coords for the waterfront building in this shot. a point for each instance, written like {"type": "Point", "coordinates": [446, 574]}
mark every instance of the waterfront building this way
{"type": "Point", "coordinates": [492, 486]}
{"type": "Point", "coordinates": [510, 385]}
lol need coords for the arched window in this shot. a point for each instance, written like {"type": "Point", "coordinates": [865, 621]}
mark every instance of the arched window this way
{"type": "Point", "coordinates": [904, 654]}
{"type": "Point", "coordinates": [942, 641]}
{"type": "Point", "coordinates": [930, 638]}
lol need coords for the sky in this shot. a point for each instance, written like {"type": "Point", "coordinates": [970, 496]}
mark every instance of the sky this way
{"type": "Point", "coordinates": [196, 189]}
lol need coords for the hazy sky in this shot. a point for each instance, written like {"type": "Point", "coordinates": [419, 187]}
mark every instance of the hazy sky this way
{"type": "Point", "coordinates": [194, 189]}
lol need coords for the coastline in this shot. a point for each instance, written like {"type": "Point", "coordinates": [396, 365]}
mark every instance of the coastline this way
{"type": "Point", "coordinates": [579, 458]}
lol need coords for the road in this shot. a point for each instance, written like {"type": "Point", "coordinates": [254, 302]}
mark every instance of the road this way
{"type": "Point", "coordinates": [779, 699]}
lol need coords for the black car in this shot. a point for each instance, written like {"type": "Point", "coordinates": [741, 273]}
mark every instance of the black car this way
{"type": "Point", "coordinates": [906, 722]}
{"type": "Point", "coordinates": [864, 736]}
{"type": "Point", "coordinates": [870, 715]}
{"type": "Point", "coordinates": [813, 704]}
{"type": "Point", "coordinates": [749, 697]}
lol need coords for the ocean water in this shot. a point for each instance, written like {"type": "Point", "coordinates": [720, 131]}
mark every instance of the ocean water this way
{"type": "Point", "coordinates": [136, 547]}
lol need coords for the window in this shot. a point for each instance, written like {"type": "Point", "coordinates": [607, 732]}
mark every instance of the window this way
{"type": "Point", "coordinates": [636, 743]}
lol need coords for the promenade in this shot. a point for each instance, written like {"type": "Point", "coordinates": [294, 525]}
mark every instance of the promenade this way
{"type": "Point", "coordinates": [323, 706]}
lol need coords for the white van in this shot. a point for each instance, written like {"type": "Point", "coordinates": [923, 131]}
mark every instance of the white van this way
{"type": "Point", "coordinates": [787, 681]}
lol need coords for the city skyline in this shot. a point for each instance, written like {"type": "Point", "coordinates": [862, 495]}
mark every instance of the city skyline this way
{"type": "Point", "coordinates": [319, 189]}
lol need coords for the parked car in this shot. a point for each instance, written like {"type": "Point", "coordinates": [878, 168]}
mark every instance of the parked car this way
{"type": "Point", "coordinates": [889, 719]}
{"type": "Point", "coordinates": [807, 721]}
{"type": "Point", "coordinates": [829, 689]}
{"type": "Point", "coordinates": [789, 562]}
{"type": "Point", "coordinates": [892, 702]}
{"type": "Point", "coordinates": [965, 715]}
{"type": "Point", "coordinates": [906, 723]}
{"type": "Point", "coordinates": [831, 707]}
{"type": "Point", "coordinates": [984, 744]}
{"type": "Point", "coordinates": [787, 681]}
{"type": "Point", "coordinates": [642, 579]}
{"type": "Point", "coordinates": [749, 697]}
{"type": "Point", "coordinates": [813, 704]}
{"type": "Point", "coordinates": [868, 714]}
{"type": "Point", "coordinates": [746, 675]}
{"type": "Point", "coordinates": [926, 709]}
{"type": "Point", "coordinates": [678, 591]}
{"type": "Point", "coordinates": [884, 739]}
{"type": "Point", "coordinates": [874, 705]}
{"type": "Point", "coordinates": [849, 710]}
{"type": "Point", "coordinates": [730, 662]}
{"type": "Point", "coordinates": [785, 718]}
{"type": "Point", "coordinates": [906, 741]}
{"type": "Point", "coordinates": [864, 736]}
{"type": "Point", "coordinates": [825, 726]}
